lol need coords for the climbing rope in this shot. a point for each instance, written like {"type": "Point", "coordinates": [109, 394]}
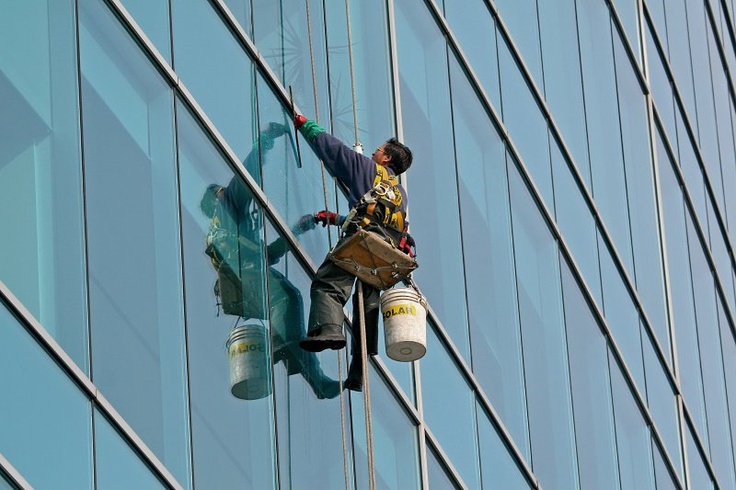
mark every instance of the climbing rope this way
{"type": "Point", "coordinates": [366, 387]}
{"type": "Point", "coordinates": [358, 146]}
{"type": "Point", "coordinates": [329, 241]}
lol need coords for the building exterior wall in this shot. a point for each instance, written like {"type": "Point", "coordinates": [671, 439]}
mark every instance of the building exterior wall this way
{"type": "Point", "coordinates": [570, 197]}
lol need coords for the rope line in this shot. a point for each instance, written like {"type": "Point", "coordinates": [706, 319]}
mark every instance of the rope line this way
{"type": "Point", "coordinates": [366, 388]}
{"type": "Point", "coordinates": [352, 73]}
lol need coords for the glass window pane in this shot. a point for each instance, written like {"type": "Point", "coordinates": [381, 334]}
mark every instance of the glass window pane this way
{"type": "Point", "coordinates": [449, 409]}
{"type": "Point", "coordinates": [437, 477]}
{"type": "Point", "coordinates": [294, 192]}
{"type": "Point", "coordinates": [543, 333]}
{"type": "Point", "coordinates": [153, 18]}
{"type": "Point", "coordinates": [116, 464]}
{"type": "Point", "coordinates": [395, 443]}
{"type": "Point", "coordinates": [525, 123]}
{"type": "Point", "coordinates": [425, 99]}
{"type": "Point", "coordinates": [699, 476]}
{"type": "Point", "coordinates": [42, 249]}
{"type": "Point", "coordinates": [633, 437]}
{"type": "Point", "coordinates": [665, 480]}
{"type": "Point", "coordinates": [217, 71]}
{"type": "Point", "coordinates": [307, 388]}
{"type": "Point", "coordinates": [563, 85]}
{"type": "Point", "coordinates": [576, 222]}
{"type": "Point", "coordinates": [679, 51]}
{"type": "Point", "coordinates": [648, 269]}
{"type": "Point", "coordinates": [49, 443]}
{"type": "Point", "coordinates": [6, 483]}
{"type": "Point", "coordinates": [663, 405]}
{"type": "Point", "coordinates": [136, 299]}
{"type": "Point", "coordinates": [487, 243]}
{"type": "Point", "coordinates": [499, 469]}
{"type": "Point", "coordinates": [591, 391]}
{"type": "Point", "coordinates": [233, 439]}
{"type": "Point", "coordinates": [602, 118]}
{"type": "Point", "coordinates": [521, 19]}
{"type": "Point", "coordinates": [622, 315]}
{"type": "Point", "coordinates": [729, 364]}
{"type": "Point", "coordinates": [475, 28]}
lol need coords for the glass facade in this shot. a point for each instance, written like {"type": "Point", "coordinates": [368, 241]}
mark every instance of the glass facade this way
{"type": "Point", "coordinates": [571, 198]}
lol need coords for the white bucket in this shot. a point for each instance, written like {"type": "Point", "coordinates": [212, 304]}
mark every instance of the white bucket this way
{"type": "Point", "coordinates": [404, 324]}
{"type": "Point", "coordinates": [247, 349]}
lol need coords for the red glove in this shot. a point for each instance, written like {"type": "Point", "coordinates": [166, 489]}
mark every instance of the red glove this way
{"type": "Point", "coordinates": [326, 218]}
{"type": "Point", "coordinates": [299, 120]}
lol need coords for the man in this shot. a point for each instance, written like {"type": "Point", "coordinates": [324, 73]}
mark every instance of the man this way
{"type": "Point", "coordinates": [235, 247]}
{"type": "Point", "coordinates": [332, 285]}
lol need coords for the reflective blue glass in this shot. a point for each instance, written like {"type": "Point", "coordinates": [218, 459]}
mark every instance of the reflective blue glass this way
{"type": "Point", "coordinates": [233, 439]}
{"type": "Point", "coordinates": [136, 304]}
{"type": "Point", "coordinates": [628, 12]}
{"type": "Point", "coordinates": [633, 437]}
{"type": "Point", "coordinates": [576, 222]}
{"type": "Point", "coordinates": [698, 477]}
{"type": "Point", "coordinates": [425, 100]}
{"type": "Point", "coordinates": [691, 169]}
{"type": "Point", "coordinates": [521, 18]}
{"type": "Point", "coordinates": [563, 87]}
{"type": "Point", "coordinates": [395, 440]}
{"type": "Point", "coordinates": [679, 51]}
{"type": "Point", "coordinates": [721, 257]}
{"type": "Point", "coordinates": [282, 33]}
{"type": "Point", "coordinates": [214, 67]}
{"type": "Point", "coordinates": [42, 249]}
{"type": "Point", "coordinates": [648, 268]}
{"type": "Point", "coordinates": [153, 18]}
{"type": "Point", "coordinates": [602, 118]}
{"type": "Point", "coordinates": [707, 131]}
{"type": "Point", "coordinates": [526, 125]}
{"type": "Point", "coordinates": [591, 391]}
{"type": "Point", "coordinates": [663, 405]}
{"type": "Point", "coordinates": [116, 464]}
{"type": "Point", "coordinates": [665, 480]}
{"type": "Point", "coordinates": [437, 477]}
{"type": "Point", "coordinates": [656, 11]}
{"type": "Point", "coordinates": [487, 243]}
{"type": "Point", "coordinates": [307, 399]}
{"type": "Point", "coordinates": [621, 314]}
{"type": "Point", "coordinates": [475, 29]}
{"type": "Point", "coordinates": [693, 381]}
{"type": "Point", "coordinates": [45, 421]}
{"type": "Point", "coordinates": [243, 13]}
{"type": "Point", "coordinates": [295, 188]}
{"type": "Point", "coordinates": [659, 83]}
{"type": "Point", "coordinates": [543, 334]}
{"type": "Point", "coordinates": [449, 408]}
{"type": "Point", "coordinates": [499, 470]}
{"type": "Point", "coordinates": [714, 383]}
{"type": "Point", "coordinates": [724, 126]}
{"type": "Point", "coordinates": [729, 366]}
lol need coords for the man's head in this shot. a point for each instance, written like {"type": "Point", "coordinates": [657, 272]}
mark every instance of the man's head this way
{"type": "Point", "coordinates": [393, 154]}
{"type": "Point", "coordinates": [209, 199]}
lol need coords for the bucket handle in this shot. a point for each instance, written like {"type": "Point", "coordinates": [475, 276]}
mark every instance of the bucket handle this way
{"type": "Point", "coordinates": [409, 281]}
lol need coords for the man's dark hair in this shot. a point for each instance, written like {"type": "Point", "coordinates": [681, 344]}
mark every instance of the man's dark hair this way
{"type": "Point", "coordinates": [209, 199]}
{"type": "Point", "coordinates": [400, 154]}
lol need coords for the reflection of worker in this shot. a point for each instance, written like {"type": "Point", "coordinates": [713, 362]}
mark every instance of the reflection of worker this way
{"type": "Point", "coordinates": [235, 246]}
{"type": "Point", "coordinates": [332, 285]}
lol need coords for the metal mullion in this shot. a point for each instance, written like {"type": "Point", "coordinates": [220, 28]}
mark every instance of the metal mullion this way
{"type": "Point", "coordinates": [548, 217]}
{"type": "Point", "coordinates": [693, 141]}
{"type": "Point", "coordinates": [444, 459]}
{"type": "Point", "coordinates": [70, 368]}
{"type": "Point", "coordinates": [9, 471]}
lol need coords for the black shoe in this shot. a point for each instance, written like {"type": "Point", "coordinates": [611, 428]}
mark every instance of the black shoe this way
{"type": "Point", "coordinates": [329, 337]}
{"type": "Point", "coordinates": [353, 384]}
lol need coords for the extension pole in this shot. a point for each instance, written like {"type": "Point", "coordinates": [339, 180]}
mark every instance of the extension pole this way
{"type": "Point", "coordinates": [366, 388]}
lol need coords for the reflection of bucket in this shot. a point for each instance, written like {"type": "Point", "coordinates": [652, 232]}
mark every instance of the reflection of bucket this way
{"type": "Point", "coordinates": [247, 349]}
{"type": "Point", "coordinates": [404, 324]}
